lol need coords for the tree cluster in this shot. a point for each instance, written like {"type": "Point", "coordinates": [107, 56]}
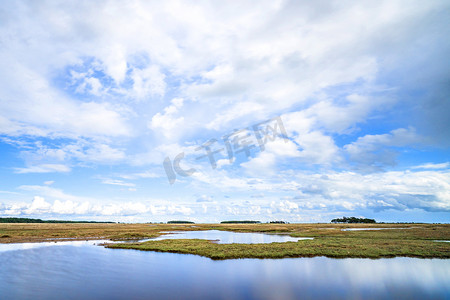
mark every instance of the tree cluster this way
{"type": "Point", "coordinates": [180, 222]}
{"type": "Point", "coordinates": [352, 220]}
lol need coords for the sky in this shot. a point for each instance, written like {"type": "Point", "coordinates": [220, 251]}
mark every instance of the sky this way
{"type": "Point", "coordinates": [150, 111]}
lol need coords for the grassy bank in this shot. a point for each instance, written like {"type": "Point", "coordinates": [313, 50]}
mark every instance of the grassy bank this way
{"type": "Point", "coordinates": [330, 247]}
{"type": "Point", "coordinates": [329, 240]}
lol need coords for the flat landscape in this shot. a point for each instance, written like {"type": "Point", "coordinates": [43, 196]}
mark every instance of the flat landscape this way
{"type": "Point", "coordinates": [395, 240]}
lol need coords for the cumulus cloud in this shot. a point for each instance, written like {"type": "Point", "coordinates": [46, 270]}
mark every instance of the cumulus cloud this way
{"type": "Point", "coordinates": [44, 111]}
{"type": "Point", "coordinates": [274, 152]}
{"type": "Point", "coordinates": [349, 191]}
{"type": "Point", "coordinates": [284, 207]}
{"type": "Point", "coordinates": [168, 122]}
{"type": "Point", "coordinates": [374, 152]}
{"type": "Point", "coordinates": [148, 82]}
{"type": "Point", "coordinates": [39, 206]}
{"type": "Point", "coordinates": [337, 117]}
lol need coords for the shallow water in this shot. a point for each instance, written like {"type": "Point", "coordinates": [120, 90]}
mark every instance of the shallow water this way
{"type": "Point", "coordinates": [370, 228]}
{"type": "Point", "coordinates": [85, 271]}
{"type": "Point", "coordinates": [228, 237]}
{"type": "Point", "coordinates": [25, 246]}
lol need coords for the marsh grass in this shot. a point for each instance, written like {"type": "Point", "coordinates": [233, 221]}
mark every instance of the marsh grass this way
{"type": "Point", "coordinates": [329, 247]}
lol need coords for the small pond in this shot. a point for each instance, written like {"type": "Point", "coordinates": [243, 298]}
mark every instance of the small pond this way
{"type": "Point", "coordinates": [371, 228]}
{"type": "Point", "coordinates": [228, 237]}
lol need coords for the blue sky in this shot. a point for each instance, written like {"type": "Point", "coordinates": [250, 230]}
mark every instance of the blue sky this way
{"type": "Point", "coordinates": [95, 96]}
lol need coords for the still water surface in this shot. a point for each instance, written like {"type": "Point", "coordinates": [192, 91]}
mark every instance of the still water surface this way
{"type": "Point", "coordinates": [377, 228]}
{"type": "Point", "coordinates": [228, 237]}
{"type": "Point", "coordinates": [81, 270]}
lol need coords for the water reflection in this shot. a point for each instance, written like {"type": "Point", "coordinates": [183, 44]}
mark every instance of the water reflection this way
{"type": "Point", "coordinates": [228, 237]}
{"type": "Point", "coordinates": [92, 272]}
{"type": "Point", "coordinates": [371, 228]}
{"type": "Point", "coordinates": [25, 246]}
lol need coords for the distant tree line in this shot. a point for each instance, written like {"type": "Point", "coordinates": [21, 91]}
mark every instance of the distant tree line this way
{"type": "Point", "coordinates": [240, 222]}
{"type": "Point", "coordinates": [278, 222]}
{"type": "Point", "coordinates": [28, 220]}
{"type": "Point", "coordinates": [180, 222]}
{"type": "Point", "coordinates": [352, 220]}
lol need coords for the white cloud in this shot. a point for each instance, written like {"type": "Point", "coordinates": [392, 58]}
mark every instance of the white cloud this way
{"type": "Point", "coordinates": [433, 166]}
{"type": "Point", "coordinates": [44, 111]}
{"type": "Point", "coordinates": [179, 209]}
{"type": "Point", "coordinates": [53, 193]}
{"type": "Point", "coordinates": [298, 122]}
{"type": "Point", "coordinates": [428, 190]}
{"type": "Point", "coordinates": [340, 117]}
{"type": "Point", "coordinates": [374, 152]}
{"type": "Point", "coordinates": [85, 83]}
{"type": "Point", "coordinates": [148, 82]}
{"type": "Point", "coordinates": [204, 198]}
{"type": "Point", "coordinates": [284, 207]}
{"type": "Point", "coordinates": [317, 148]}
{"type": "Point", "coordinates": [70, 207]}
{"type": "Point", "coordinates": [146, 174]}
{"type": "Point", "coordinates": [266, 161]}
{"type": "Point", "coordinates": [44, 168]}
{"type": "Point", "coordinates": [168, 123]}
{"type": "Point", "coordinates": [262, 165]}
{"type": "Point", "coordinates": [39, 205]}
{"type": "Point", "coordinates": [82, 151]}
{"type": "Point", "coordinates": [259, 195]}
{"type": "Point", "coordinates": [131, 208]}
{"type": "Point", "coordinates": [101, 153]}
{"type": "Point", "coordinates": [314, 146]}
{"type": "Point", "coordinates": [341, 191]}
{"type": "Point", "coordinates": [118, 182]}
